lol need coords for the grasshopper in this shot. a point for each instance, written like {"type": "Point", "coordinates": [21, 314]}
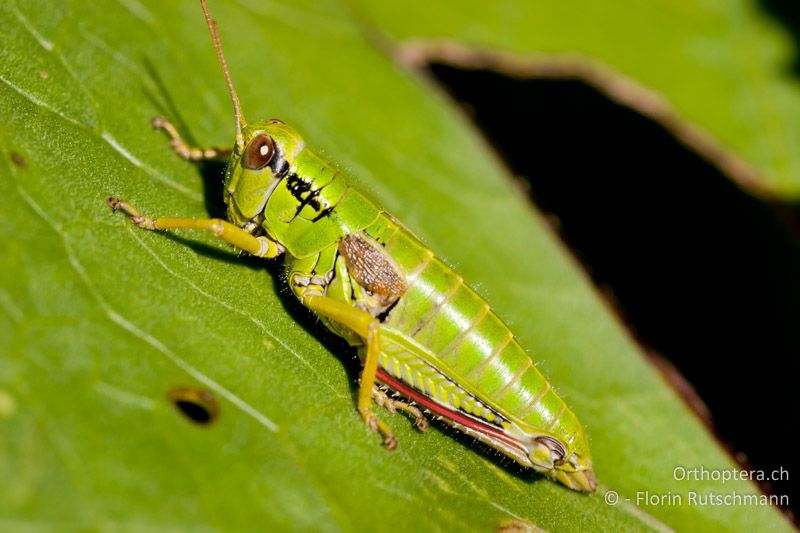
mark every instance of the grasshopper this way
{"type": "Point", "coordinates": [420, 330]}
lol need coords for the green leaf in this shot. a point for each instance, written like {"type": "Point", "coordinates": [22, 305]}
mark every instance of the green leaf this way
{"type": "Point", "coordinates": [99, 320]}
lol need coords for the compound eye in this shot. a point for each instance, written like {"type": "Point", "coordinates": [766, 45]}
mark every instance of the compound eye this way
{"type": "Point", "coordinates": [259, 152]}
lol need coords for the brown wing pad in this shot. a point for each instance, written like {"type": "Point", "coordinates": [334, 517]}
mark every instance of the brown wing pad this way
{"type": "Point", "coordinates": [372, 267]}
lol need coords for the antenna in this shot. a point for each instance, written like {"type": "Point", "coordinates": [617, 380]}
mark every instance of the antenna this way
{"type": "Point", "coordinates": [237, 108]}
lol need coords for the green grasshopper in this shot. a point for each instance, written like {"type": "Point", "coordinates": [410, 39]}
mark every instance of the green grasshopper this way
{"type": "Point", "coordinates": [420, 331]}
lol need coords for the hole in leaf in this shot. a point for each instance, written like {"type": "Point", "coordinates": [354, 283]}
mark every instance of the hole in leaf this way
{"type": "Point", "coordinates": [704, 274]}
{"type": "Point", "coordinates": [198, 405]}
{"type": "Point", "coordinates": [18, 160]}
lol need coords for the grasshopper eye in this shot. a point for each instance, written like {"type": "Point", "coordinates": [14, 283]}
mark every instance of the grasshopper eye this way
{"type": "Point", "coordinates": [259, 152]}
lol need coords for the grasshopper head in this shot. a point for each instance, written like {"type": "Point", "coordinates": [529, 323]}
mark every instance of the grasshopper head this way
{"type": "Point", "coordinates": [262, 154]}
{"type": "Point", "coordinates": [267, 151]}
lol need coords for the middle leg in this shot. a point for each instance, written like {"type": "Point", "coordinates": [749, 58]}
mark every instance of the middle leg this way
{"type": "Point", "coordinates": [368, 328]}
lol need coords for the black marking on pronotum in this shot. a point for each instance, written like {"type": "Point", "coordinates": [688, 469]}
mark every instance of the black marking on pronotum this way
{"type": "Point", "coordinates": [198, 405]}
{"type": "Point", "coordinates": [324, 213]}
{"type": "Point", "coordinates": [297, 186]}
{"type": "Point", "coordinates": [300, 187]}
{"type": "Point", "coordinates": [278, 164]}
{"type": "Point", "coordinates": [329, 209]}
{"type": "Point", "coordinates": [310, 199]}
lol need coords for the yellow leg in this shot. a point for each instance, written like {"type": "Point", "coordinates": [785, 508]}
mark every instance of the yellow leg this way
{"type": "Point", "coordinates": [368, 328]}
{"type": "Point", "coordinates": [190, 153]}
{"type": "Point", "coordinates": [392, 405]}
{"type": "Point", "coordinates": [258, 246]}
